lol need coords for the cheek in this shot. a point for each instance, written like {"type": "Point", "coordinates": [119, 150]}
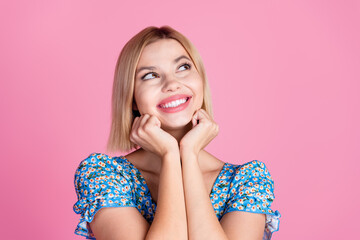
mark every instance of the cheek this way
{"type": "Point", "coordinates": [144, 99]}
{"type": "Point", "coordinates": [138, 98]}
{"type": "Point", "coordinates": [139, 94]}
{"type": "Point", "coordinates": [199, 90]}
{"type": "Point", "coordinates": [199, 87]}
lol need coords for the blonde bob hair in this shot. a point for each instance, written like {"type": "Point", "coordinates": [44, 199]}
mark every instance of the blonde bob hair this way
{"type": "Point", "coordinates": [123, 114]}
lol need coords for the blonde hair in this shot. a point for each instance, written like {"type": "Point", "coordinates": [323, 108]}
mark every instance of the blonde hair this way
{"type": "Point", "coordinates": [123, 85]}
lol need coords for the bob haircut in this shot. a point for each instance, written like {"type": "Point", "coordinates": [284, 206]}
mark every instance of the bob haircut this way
{"type": "Point", "coordinates": [123, 113]}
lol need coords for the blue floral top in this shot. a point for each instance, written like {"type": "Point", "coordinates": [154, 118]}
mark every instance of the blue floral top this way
{"type": "Point", "coordinates": [104, 181]}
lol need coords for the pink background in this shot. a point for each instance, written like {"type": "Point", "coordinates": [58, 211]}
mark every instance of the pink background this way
{"type": "Point", "coordinates": [284, 77]}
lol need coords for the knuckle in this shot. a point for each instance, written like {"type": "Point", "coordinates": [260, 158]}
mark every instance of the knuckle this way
{"type": "Point", "coordinates": [133, 139]}
{"type": "Point", "coordinates": [152, 118]}
{"type": "Point", "coordinates": [146, 127]}
{"type": "Point", "coordinates": [208, 123]}
{"type": "Point", "coordinates": [139, 132]}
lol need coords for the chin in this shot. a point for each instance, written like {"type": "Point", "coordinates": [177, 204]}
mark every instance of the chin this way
{"type": "Point", "coordinates": [176, 125]}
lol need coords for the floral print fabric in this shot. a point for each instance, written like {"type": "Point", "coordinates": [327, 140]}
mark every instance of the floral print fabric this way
{"type": "Point", "coordinates": [104, 181]}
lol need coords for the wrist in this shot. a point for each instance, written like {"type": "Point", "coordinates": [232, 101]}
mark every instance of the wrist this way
{"type": "Point", "coordinates": [171, 153]}
{"type": "Point", "coordinates": [188, 153]}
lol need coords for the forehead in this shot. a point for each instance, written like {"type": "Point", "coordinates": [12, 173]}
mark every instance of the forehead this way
{"type": "Point", "coordinates": [162, 50]}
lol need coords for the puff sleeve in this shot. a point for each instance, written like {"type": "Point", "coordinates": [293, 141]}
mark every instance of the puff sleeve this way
{"type": "Point", "coordinates": [99, 182]}
{"type": "Point", "coordinates": [252, 190]}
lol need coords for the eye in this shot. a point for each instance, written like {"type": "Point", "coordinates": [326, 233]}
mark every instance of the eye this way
{"type": "Point", "coordinates": [185, 66]}
{"type": "Point", "coordinates": [145, 77]}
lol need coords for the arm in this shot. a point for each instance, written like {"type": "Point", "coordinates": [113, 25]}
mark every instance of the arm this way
{"type": "Point", "coordinates": [105, 201]}
{"type": "Point", "coordinates": [243, 225]}
{"type": "Point", "coordinates": [202, 220]}
{"type": "Point", "coordinates": [170, 218]}
{"type": "Point", "coordinates": [201, 217]}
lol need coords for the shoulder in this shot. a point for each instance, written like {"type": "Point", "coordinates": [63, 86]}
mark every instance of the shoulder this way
{"type": "Point", "coordinates": [254, 165]}
{"type": "Point", "coordinates": [254, 168]}
{"type": "Point", "coordinates": [100, 175]}
{"type": "Point", "coordinates": [99, 162]}
{"type": "Point", "coordinates": [253, 175]}
{"type": "Point", "coordinates": [252, 188]}
{"type": "Point", "coordinates": [100, 181]}
{"type": "Point", "coordinates": [98, 169]}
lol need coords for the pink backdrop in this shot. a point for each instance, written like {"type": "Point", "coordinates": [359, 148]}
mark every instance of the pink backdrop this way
{"type": "Point", "coordinates": [284, 77]}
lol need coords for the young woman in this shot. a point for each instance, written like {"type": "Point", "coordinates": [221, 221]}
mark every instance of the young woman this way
{"type": "Point", "coordinates": [169, 187]}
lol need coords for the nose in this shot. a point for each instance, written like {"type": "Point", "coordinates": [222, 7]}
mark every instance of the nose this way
{"type": "Point", "coordinates": [171, 84]}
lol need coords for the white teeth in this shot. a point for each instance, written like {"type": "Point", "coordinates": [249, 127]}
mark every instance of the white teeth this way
{"type": "Point", "coordinates": [174, 103]}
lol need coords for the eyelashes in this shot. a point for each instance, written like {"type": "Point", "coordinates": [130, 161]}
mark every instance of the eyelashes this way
{"type": "Point", "coordinates": [186, 64]}
{"type": "Point", "coordinates": [154, 73]}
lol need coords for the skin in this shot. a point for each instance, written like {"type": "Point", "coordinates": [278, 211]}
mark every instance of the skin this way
{"type": "Point", "coordinates": [165, 139]}
{"type": "Point", "coordinates": [167, 79]}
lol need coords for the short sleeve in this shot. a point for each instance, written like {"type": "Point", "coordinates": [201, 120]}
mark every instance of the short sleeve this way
{"type": "Point", "coordinates": [252, 190]}
{"type": "Point", "coordinates": [99, 182]}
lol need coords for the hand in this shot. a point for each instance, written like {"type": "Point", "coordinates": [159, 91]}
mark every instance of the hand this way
{"type": "Point", "coordinates": [146, 132]}
{"type": "Point", "coordinates": [200, 135]}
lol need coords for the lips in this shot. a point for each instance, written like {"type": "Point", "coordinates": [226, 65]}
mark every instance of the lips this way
{"type": "Point", "coordinates": [173, 98]}
{"type": "Point", "coordinates": [174, 103]}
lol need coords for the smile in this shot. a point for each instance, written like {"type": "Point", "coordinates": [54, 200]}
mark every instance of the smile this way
{"type": "Point", "coordinates": [175, 106]}
{"type": "Point", "coordinates": [174, 103]}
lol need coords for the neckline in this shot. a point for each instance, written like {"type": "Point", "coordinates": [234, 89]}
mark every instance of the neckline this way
{"type": "Point", "coordinates": [147, 187]}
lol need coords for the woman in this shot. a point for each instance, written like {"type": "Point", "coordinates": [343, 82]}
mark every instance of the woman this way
{"type": "Point", "coordinates": [161, 107]}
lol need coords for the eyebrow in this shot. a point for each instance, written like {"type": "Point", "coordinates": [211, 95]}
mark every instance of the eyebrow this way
{"type": "Point", "coordinates": [152, 67]}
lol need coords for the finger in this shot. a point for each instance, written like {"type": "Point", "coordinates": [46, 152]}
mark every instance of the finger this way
{"type": "Point", "coordinates": [214, 125]}
{"type": "Point", "coordinates": [195, 118]}
{"type": "Point", "coordinates": [206, 113]}
{"type": "Point", "coordinates": [144, 119]}
{"type": "Point", "coordinates": [153, 120]}
{"type": "Point", "coordinates": [135, 125]}
{"type": "Point", "coordinates": [202, 116]}
{"type": "Point", "coordinates": [135, 128]}
{"type": "Point", "coordinates": [134, 121]}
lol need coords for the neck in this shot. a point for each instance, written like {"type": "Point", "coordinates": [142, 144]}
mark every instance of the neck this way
{"type": "Point", "coordinates": [153, 161]}
{"type": "Point", "coordinates": [178, 134]}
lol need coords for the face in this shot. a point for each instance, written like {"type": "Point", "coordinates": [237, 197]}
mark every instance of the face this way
{"type": "Point", "coordinates": [167, 84]}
